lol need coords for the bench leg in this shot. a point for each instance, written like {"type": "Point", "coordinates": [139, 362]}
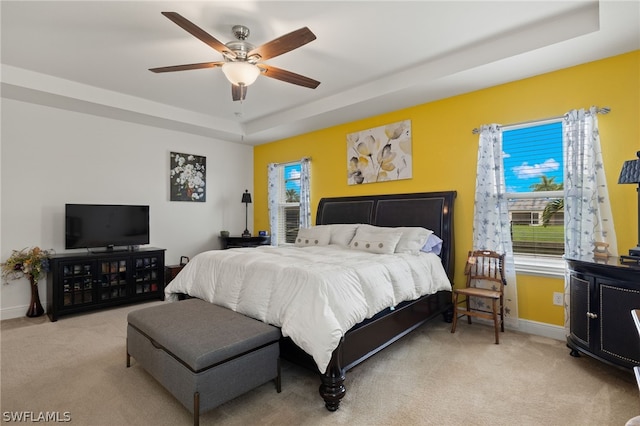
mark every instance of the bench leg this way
{"type": "Point", "coordinates": [279, 379]}
{"type": "Point", "coordinates": [128, 356]}
{"type": "Point", "coordinates": [196, 409]}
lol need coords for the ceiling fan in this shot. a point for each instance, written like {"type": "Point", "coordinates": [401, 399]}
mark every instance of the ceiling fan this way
{"type": "Point", "coordinates": [242, 61]}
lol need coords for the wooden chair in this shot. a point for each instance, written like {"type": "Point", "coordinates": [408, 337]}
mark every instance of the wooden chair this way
{"type": "Point", "coordinates": [483, 268]}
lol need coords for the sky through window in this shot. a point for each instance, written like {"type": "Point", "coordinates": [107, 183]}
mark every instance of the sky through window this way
{"type": "Point", "coordinates": [530, 153]}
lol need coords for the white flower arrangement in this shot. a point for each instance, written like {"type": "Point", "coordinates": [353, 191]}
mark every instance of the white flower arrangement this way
{"type": "Point", "coordinates": [187, 177]}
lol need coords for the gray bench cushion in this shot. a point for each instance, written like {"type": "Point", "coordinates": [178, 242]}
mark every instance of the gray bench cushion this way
{"type": "Point", "coordinates": [178, 328]}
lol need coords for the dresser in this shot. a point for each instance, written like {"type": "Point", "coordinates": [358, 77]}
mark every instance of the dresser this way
{"type": "Point", "coordinates": [603, 294]}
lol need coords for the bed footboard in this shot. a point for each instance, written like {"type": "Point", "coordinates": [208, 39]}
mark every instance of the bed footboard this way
{"type": "Point", "coordinates": [368, 339]}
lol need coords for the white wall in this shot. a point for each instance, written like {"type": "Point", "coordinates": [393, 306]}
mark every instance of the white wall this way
{"type": "Point", "coordinates": [52, 156]}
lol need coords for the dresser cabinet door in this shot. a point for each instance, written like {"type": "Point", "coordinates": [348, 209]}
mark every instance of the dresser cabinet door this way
{"type": "Point", "coordinates": [619, 339]}
{"type": "Point", "coordinates": [580, 299]}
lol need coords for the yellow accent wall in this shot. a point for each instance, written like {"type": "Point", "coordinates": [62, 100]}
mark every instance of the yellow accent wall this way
{"type": "Point", "coordinates": [535, 299]}
{"type": "Point", "coordinates": [445, 153]}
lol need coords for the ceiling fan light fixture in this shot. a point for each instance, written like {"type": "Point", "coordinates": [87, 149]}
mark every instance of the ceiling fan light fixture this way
{"type": "Point", "coordinates": [240, 73]}
{"type": "Point", "coordinates": [243, 61]}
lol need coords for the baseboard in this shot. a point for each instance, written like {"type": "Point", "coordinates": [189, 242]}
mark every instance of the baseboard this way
{"type": "Point", "coordinates": [16, 311]}
{"type": "Point", "coordinates": [542, 329]}
{"type": "Point", "coordinates": [530, 327]}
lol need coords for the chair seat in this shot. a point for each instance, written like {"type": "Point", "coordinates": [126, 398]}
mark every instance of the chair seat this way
{"type": "Point", "coordinates": [481, 292]}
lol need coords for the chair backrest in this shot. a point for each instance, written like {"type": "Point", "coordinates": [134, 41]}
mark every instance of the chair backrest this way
{"type": "Point", "coordinates": [485, 265]}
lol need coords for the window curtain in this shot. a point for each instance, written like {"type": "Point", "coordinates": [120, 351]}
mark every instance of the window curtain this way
{"type": "Point", "coordinates": [273, 196]}
{"type": "Point", "coordinates": [305, 193]}
{"type": "Point", "coordinates": [587, 209]}
{"type": "Point", "coordinates": [491, 226]}
{"type": "Point", "coordinates": [587, 217]}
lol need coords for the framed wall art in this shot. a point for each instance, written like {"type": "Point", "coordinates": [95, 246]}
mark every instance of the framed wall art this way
{"type": "Point", "coordinates": [380, 154]}
{"type": "Point", "coordinates": [187, 177]}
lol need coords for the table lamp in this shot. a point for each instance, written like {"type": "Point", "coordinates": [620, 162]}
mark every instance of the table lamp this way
{"type": "Point", "coordinates": [246, 199]}
{"type": "Point", "coordinates": [630, 173]}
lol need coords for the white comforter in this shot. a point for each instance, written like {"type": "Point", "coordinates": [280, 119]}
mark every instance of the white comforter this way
{"type": "Point", "coordinates": [315, 294]}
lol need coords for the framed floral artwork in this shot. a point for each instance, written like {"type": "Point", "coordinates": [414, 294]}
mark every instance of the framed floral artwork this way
{"type": "Point", "coordinates": [187, 177]}
{"type": "Point", "coordinates": [380, 154]}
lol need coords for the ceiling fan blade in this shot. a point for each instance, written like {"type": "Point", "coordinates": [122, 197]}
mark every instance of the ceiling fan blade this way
{"type": "Point", "coordinates": [199, 33]}
{"type": "Point", "coordinates": [238, 92]}
{"type": "Point", "coordinates": [288, 76]}
{"type": "Point", "coordinates": [187, 67]}
{"type": "Point", "coordinates": [284, 44]}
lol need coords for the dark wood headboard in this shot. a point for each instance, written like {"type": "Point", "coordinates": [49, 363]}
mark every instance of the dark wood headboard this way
{"type": "Point", "coordinates": [431, 210]}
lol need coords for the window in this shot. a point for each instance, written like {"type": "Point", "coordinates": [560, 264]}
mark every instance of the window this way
{"type": "Point", "coordinates": [288, 202]}
{"type": "Point", "coordinates": [533, 166]}
{"type": "Point", "coordinates": [288, 192]}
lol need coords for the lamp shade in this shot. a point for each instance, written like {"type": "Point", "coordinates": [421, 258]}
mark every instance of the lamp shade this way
{"type": "Point", "coordinates": [630, 172]}
{"type": "Point", "coordinates": [240, 73]}
{"type": "Point", "coordinates": [246, 197]}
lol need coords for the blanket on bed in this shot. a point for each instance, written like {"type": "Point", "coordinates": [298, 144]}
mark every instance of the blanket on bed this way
{"type": "Point", "coordinates": [314, 294]}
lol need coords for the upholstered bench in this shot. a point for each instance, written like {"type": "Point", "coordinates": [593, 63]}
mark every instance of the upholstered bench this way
{"type": "Point", "coordinates": [203, 354]}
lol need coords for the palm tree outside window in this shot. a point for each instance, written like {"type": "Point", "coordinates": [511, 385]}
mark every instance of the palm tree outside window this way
{"type": "Point", "coordinates": [533, 163]}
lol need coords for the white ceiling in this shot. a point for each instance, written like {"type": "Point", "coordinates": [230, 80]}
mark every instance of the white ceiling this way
{"type": "Point", "coordinates": [371, 57]}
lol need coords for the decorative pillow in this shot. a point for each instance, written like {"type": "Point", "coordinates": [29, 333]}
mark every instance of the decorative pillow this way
{"type": "Point", "coordinates": [314, 236]}
{"type": "Point", "coordinates": [376, 240]}
{"type": "Point", "coordinates": [433, 245]}
{"type": "Point", "coordinates": [413, 239]}
{"type": "Point", "coordinates": [342, 234]}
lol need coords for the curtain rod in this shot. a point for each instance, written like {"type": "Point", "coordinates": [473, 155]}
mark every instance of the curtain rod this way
{"type": "Point", "coordinates": [603, 110]}
{"type": "Point", "coordinates": [293, 161]}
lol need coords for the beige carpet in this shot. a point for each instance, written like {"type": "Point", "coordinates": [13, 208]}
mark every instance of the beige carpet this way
{"type": "Point", "coordinates": [431, 377]}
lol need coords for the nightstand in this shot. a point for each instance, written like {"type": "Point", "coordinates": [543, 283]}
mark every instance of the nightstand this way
{"type": "Point", "coordinates": [172, 270]}
{"type": "Point", "coordinates": [236, 242]}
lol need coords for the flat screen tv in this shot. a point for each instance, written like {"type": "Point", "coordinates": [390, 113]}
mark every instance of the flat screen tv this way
{"type": "Point", "coordinates": [106, 226]}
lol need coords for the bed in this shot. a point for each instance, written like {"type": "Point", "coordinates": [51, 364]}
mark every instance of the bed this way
{"type": "Point", "coordinates": [253, 281]}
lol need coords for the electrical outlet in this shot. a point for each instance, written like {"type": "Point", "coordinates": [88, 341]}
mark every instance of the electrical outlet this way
{"type": "Point", "coordinates": [558, 298]}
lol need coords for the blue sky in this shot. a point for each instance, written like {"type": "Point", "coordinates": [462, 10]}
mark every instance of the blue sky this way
{"type": "Point", "coordinates": [530, 153]}
{"type": "Point", "coordinates": [292, 177]}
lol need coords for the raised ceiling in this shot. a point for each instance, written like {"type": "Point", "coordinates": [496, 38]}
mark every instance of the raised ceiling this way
{"type": "Point", "coordinates": [371, 57]}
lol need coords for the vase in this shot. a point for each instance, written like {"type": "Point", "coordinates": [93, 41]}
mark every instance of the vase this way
{"type": "Point", "coordinates": [35, 307]}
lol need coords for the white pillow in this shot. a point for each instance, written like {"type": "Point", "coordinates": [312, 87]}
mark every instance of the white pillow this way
{"type": "Point", "coordinates": [413, 239]}
{"type": "Point", "coordinates": [314, 236]}
{"type": "Point", "coordinates": [342, 234]}
{"type": "Point", "coordinates": [375, 239]}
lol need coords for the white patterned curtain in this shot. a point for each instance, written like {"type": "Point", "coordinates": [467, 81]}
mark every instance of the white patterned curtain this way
{"type": "Point", "coordinates": [274, 181]}
{"type": "Point", "coordinates": [587, 208]}
{"type": "Point", "coordinates": [491, 226]}
{"type": "Point", "coordinates": [305, 193]}
{"type": "Point", "coordinates": [273, 174]}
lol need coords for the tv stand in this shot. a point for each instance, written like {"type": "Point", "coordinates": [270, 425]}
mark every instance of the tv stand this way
{"type": "Point", "coordinates": [113, 249]}
{"type": "Point", "coordinates": [80, 282]}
